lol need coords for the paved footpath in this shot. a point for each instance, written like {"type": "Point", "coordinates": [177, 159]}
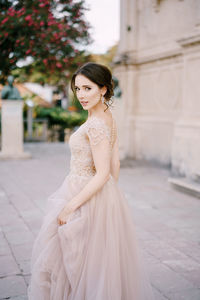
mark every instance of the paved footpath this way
{"type": "Point", "coordinates": [167, 221]}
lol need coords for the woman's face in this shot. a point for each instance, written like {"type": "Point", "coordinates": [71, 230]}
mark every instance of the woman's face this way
{"type": "Point", "coordinates": [87, 92]}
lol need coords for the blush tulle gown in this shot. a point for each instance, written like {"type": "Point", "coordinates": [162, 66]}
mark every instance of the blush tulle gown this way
{"type": "Point", "coordinates": [95, 256]}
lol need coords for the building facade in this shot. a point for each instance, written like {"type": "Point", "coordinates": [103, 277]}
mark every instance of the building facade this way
{"type": "Point", "coordinates": [158, 65]}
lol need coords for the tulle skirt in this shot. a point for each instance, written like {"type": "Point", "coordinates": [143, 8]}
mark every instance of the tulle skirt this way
{"type": "Point", "coordinates": [95, 256]}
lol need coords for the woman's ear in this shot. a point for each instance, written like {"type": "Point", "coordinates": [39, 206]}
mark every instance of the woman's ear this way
{"type": "Point", "coordinates": [103, 90]}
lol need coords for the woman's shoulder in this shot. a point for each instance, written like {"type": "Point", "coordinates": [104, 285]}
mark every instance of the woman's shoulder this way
{"type": "Point", "coordinates": [97, 129]}
{"type": "Point", "coordinates": [100, 121]}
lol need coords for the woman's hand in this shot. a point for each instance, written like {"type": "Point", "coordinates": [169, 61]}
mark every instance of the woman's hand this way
{"type": "Point", "coordinates": [64, 215]}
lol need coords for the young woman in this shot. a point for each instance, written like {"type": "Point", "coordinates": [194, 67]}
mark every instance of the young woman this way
{"type": "Point", "coordinates": [86, 248]}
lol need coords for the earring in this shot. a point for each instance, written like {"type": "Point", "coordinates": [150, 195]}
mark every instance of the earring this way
{"type": "Point", "coordinates": [102, 99]}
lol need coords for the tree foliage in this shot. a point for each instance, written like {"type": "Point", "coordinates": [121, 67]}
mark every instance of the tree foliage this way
{"type": "Point", "coordinates": [49, 32]}
{"type": "Point", "coordinates": [106, 58]}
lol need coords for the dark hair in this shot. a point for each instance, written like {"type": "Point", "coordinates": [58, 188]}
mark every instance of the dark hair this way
{"type": "Point", "coordinates": [98, 74]}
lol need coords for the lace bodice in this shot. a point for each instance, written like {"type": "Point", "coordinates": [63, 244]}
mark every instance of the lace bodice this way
{"type": "Point", "coordinates": [81, 141]}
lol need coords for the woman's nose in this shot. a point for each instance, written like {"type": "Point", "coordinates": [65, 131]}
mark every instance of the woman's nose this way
{"type": "Point", "coordinates": [81, 94]}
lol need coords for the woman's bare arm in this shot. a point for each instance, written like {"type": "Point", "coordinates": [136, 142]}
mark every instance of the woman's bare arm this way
{"type": "Point", "coordinates": [101, 157]}
{"type": "Point", "coordinates": [115, 162]}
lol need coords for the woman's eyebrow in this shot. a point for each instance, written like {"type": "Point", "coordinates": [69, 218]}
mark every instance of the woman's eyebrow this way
{"type": "Point", "coordinates": [84, 85]}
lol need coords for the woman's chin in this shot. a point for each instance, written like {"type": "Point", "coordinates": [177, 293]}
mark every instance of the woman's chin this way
{"type": "Point", "coordinates": [85, 107]}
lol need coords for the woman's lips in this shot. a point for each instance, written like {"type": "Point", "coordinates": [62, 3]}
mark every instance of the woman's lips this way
{"type": "Point", "coordinates": [84, 103]}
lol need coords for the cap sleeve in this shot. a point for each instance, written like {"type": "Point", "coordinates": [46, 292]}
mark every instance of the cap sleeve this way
{"type": "Point", "coordinates": [97, 130]}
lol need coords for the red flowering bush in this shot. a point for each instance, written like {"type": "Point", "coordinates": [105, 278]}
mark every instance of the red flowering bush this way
{"type": "Point", "coordinates": [49, 31]}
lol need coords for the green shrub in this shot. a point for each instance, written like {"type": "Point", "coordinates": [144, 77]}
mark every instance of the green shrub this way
{"type": "Point", "coordinates": [60, 116]}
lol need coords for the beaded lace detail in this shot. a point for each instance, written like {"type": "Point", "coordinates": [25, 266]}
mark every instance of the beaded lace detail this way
{"type": "Point", "coordinates": [88, 134]}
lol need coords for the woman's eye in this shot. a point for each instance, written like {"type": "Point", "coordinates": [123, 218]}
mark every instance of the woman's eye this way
{"type": "Point", "coordinates": [87, 88]}
{"type": "Point", "coordinates": [76, 89]}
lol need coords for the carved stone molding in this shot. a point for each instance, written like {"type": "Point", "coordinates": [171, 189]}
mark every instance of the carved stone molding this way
{"type": "Point", "coordinates": [156, 4]}
{"type": "Point", "coordinates": [189, 40]}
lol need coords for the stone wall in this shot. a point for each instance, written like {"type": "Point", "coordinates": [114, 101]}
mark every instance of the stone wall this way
{"type": "Point", "coordinates": [158, 64]}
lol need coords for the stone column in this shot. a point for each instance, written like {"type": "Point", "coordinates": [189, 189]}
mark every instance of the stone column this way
{"type": "Point", "coordinates": [126, 71]}
{"type": "Point", "coordinates": [186, 142]}
{"type": "Point", "coordinates": [12, 130]}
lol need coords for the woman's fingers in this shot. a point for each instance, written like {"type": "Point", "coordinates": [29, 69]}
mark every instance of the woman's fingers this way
{"type": "Point", "coordinates": [61, 222]}
{"type": "Point", "coordinates": [61, 219]}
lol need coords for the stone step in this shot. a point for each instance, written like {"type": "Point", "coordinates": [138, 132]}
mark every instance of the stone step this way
{"type": "Point", "coordinates": [197, 174]}
{"type": "Point", "coordinates": [185, 184]}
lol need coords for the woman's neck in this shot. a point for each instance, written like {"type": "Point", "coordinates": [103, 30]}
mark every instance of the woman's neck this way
{"type": "Point", "coordinates": [98, 110]}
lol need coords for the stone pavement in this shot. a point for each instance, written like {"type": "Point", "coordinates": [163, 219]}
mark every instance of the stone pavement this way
{"type": "Point", "coordinates": [167, 221]}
